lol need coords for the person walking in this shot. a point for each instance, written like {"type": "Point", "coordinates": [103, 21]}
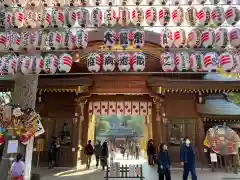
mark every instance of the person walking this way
{"type": "Point", "coordinates": [89, 152]}
{"type": "Point", "coordinates": [150, 152]}
{"type": "Point", "coordinates": [164, 163]}
{"type": "Point", "coordinates": [17, 169]}
{"type": "Point", "coordinates": [187, 158]}
{"type": "Point", "coordinates": [104, 155]}
{"type": "Point", "coordinates": [98, 151]}
{"type": "Point", "coordinates": [137, 150]}
{"type": "Point", "coordinates": [52, 153]}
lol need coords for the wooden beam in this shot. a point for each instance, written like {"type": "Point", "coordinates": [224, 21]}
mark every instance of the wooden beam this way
{"type": "Point", "coordinates": [120, 98]}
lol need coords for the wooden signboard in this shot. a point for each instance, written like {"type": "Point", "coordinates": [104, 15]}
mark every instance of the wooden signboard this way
{"type": "Point", "coordinates": [40, 145]}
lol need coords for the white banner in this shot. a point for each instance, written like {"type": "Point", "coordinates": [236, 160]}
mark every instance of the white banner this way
{"type": "Point", "coordinates": [40, 130]}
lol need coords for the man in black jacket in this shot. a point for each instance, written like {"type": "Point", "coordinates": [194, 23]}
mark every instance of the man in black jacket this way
{"type": "Point", "coordinates": [89, 152]}
{"type": "Point", "coordinates": [98, 152]}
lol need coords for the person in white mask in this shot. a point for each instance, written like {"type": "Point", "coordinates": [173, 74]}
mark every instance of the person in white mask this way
{"type": "Point", "coordinates": [187, 158]}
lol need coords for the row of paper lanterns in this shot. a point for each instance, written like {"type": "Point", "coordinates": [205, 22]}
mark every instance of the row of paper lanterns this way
{"type": "Point", "coordinates": [107, 62]}
{"type": "Point", "coordinates": [51, 63]}
{"type": "Point", "coordinates": [67, 17]}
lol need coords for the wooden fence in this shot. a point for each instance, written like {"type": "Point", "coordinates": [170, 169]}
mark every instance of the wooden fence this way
{"type": "Point", "coordinates": [124, 172]}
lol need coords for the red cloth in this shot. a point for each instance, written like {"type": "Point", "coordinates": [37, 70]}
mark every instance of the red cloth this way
{"type": "Point", "coordinates": [17, 178]}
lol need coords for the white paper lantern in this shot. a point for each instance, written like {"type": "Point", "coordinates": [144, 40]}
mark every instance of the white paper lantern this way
{"type": "Point", "coordinates": [124, 16]}
{"type": "Point", "coordinates": [108, 62]}
{"type": "Point", "coordinates": [234, 37]}
{"type": "Point", "coordinates": [164, 16]}
{"type": "Point", "coordinates": [226, 61]}
{"type": "Point", "coordinates": [14, 39]}
{"type": "Point", "coordinates": [210, 62]}
{"type": "Point", "coordinates": [167, 62]}
{"type": "Point", "coordinates": [38, 64]}
{"type": "Point", "coordinates": [109, 38]}
{"type": "Point", "coordinates": [182, 61]}
{"type": "Point", "coordinates": [46, 17]}
{"type": "Point", "coordinates": [83, 17]}
{"type": "Point", "coordinates": [179, 38]}
{"type": "Point", "coordinates": [163, 2]}
{"type": "Point", "coordinates": [232, 15]}
{"type": "Point", "coordinates": [124, 63]}
{"type": "Point", "coordinates": [124, 38]}
{"type": "Point", "coordinates": [138, 38]}
{"type": "Point", "coordinates": [94, 62]}
{"type": "Point", "coordinates": [150, 2]}
{"type": "Point", "coordinates": [137, 2]}
{"type": "Point", "coordinates": [9, 18]}
{"type": "Point", "coordinates": [177, 16]}
{"type": "Point", "coordinates": [166, 38]}
{"type": "Point", "coordinates": [10, 64]}
{"type": "Point", "coordinates": [18, 18]}
{"type": "Point", "coordinates": [4, 44]}
{"type": "Point", "coordinates": [208, 38]}
{"type": "Point", "coordinates": [138, 61]}
{"type": "Point", "coordinates": [70, 16]}
{"type": "Point", "coordinates": [194, 38]}
{"type": "Point", "coordinates": [97, 17]}
{"type": "Point", "coordinates": [39, 41]}
{"type": "Point", "coordinates": [68, 40]}
{"type": "Point", "coordinates": [196, 61]}
{"type": "Point", "coordinates": [137, 16]}
{"type": "Point", "coordinates": [217, 15]}
{"type": "Point", "coordinates": [191, 16]}
{"type": "Point", "coordinates": [151, 16]}
{"type": "Point", "coordinates": [203, 16]}
{"type": "Point", "coordinates": [58, 18]}
{"type": "Point", "coordinates": [221, 37]}
{"type": "Point", "coordinates": [110, 17]}
{"type": "Point", "coordinates": [26, 40]}
{"type": "Point", "coordinates": [30, 18]}
{"type": "Point", "coordinates": [50, 63]}
{"type": "Point", "coordinates": [26, 64]}
{"type": "Point", "coordinates": [81, 38]}
{"type": "Point", "coordinates": [65, 63]}
{"type": "Point", "coordinates": [54, 39]}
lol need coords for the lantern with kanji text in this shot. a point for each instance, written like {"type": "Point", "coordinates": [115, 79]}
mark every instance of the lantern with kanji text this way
{"type": "Point", "coordinates": [50, 63]}
{"type": "Point", "coordinates": [94, 62]}
{"type": "Point", "coordinates": [138, 38]}
{"type": "Point", "coordinates": [108, 62]}
{"type": "Point", "coordinates": [109, 38]}
{"type": "Point", "coordinates": [138, 61]}
{"type": "Point", "coordinates": [124, 62]}
{"type": "Point", "coordinates": [124, 38]}
{"type": "Point", "coordinates": [167, 62]}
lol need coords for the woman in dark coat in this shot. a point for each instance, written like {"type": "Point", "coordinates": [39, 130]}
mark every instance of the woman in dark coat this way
{"type": "Point", "coordinates": [104, 155]}
{"type": "Point", "coordinates": [164, 163]}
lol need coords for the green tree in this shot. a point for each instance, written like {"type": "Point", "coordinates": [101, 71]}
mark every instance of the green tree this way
{"type": "Point", "coordinates": [137, 124]}
{"type": "Point", "coordinates": [102, 125]}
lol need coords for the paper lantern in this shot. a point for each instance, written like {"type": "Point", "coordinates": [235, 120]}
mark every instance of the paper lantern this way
{"type": "Point", "coordinates": [30, 18]}
{"type": "Point", "coordinates": [221, 37]}
{"type": "Point", "coordinates": [4, 44]}
{"type": "Point", "coordinates": [108, 62]}
{"type": "Point", "coordinates": [227, 1]}
{"type": "Point", "coordinates": [138, 38]}
{"type": "Point", "coordinates": [214, 2]}
{"type": "Point", "coordinates": [84, 2]}
{"type": "Point", "coordinates": [217, 15]}
{"type": "Point", "coordinates": [26, 64]}
{"type": "Point", "coordinates": [203, 16]}
{"type": "Point", "coordinates": [124, 38]}
{"type": "Point", "coordinates": [202, 1]}
{"type": "Point", "coordinates": [151, 16]}
{"type": "Point", "coordinates": [211, 62]}
{"type": "Point", "coordinates": [46, 17]}
{"type": "Point", "coordinates": [137, 16]}
{"type": "Point", "coordinates": [96, 2]}
{"type": "Point", "coordinates": [111, 2]}
{"type": "Point", "coordinates": [191, 16]}
{"type": "Point", "coordinates": [81, 38]}
{"type": "Point", "coordinates": [182, 61]}
{"type": "Point", "coordinates": [194, 38]}
{"type": "Point", "coordinates": [70, 16]}
{"type": "Point", "coordinates": [26, 40]}
{"type": "Point", "coordinates": [97, 17]}
{"type": "Point", "coordinates": [166, 38]}
{"type": "Point", "coordinates": [47, 3]}
{"type": "Point", "coordinates": [208, 38]}
{"type": "Point", "coordinates": [138, 61]}
{"type": "Point", "coordinates": [124, 2]}
{"type": "Point", "coordinates": [177, 16]}
{"type": "Point", "coordinates": [33, 3]}
{"type": "Point", "coordinates": [124, 63]}
{"type": "Point", "coordinates": [10, 64]}
{"type": "Point", "coordinates": [18, 18]}
{"type": "Point", "coordinates": [58, 18]}
{"type": "Point", "coordinates": [68, 40]}
{"type": "Point", "coordinates": [14, 39]}
{"type": "Point", "coordinates": [137, 2]}
{"type": "Point", "coordinates": [232, 15]}
{"type": "Point", "coordinates": [83, 17]}
{"type": "Point", "coordinates": [109, 38]}
{"type": "Point", "coordinates": [94, 62]}
{"type": "Point", "coordinates": [124, 16]}
{"type": "Point", "coordinates": [9, 18]}
{"type": "Point", "coordinates": [54, 39]}
{"type": "Point", "coordinates": [150, 2]}
{"type": "Point", "coordinates": [65, 63]}
{"type": "Point", "coordinates": [110, 17]}
{"type": "Point", "coordinates": [37, 64]}
{"type": "Point", "coordinates": [2, 17]}
{"type": "Point", "coordinates": [59, 3]}
{"type": "Point", "coordinates": [196, 61]}
{"type": "Point", "coordinates": [164, 16]}
{"type": "Point", "coordinates": [50, 63]}
{"type": "Point", "coordinates": [179, 38]}
{"type": "Point", "coordinates": [234, 37]}
{"type": "Point", "coordinates": [39, 41]}
{"type": "Point", "coordinates": [175, 2]}
{"type": "Point", "coordinates": [167, 61]}
{"type": "Point", "coordinates": [163, 2]}
{"type": "Point", "coordinates": [226, 61]}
